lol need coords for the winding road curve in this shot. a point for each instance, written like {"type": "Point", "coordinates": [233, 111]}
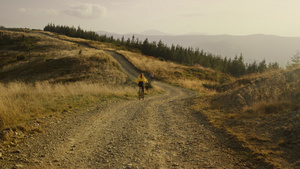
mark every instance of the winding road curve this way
{"type": "Point", "coordinates": [158, 132]}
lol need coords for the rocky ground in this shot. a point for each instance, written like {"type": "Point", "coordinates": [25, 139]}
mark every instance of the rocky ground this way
{"type": "Point", "coordinates": [158, 132]}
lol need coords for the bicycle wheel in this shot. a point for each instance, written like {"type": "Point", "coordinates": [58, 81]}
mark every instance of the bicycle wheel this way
{"type": "Point", "coordinates": [140, 93]}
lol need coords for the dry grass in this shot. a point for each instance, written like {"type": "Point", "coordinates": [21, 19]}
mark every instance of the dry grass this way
{"type": "Point", "coordinates": [264, 108]}
{"type": "Point", "coordinates": [91, 65]}
{"type": "Point", "coordinates": [20, 102]}
{"type": "Point", "coordinates": [169, 71]}
{"type": "Point", "coordinates": [264, 115]}
{"type": "Point", "coordinates": [20, 47]}
{"type": "Point", "coordinates": [53, 75]}
{"type": "Point", "coordinates": [54, 60]}
{"type": "Point", "coordinates": [268, 73]}
{"type": "Point", "coordinates": [151, 64]}
{"type": "Point", "coordinates": [41, 44]}
{"type": "Point", "coordinates": [194, 84]}
{"type": "Point", "coordinates": [281, 89]}
{"type": "Point", "coordinates": [95, 44]}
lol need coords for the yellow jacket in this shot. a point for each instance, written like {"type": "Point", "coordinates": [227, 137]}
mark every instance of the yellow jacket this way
{"type": "Point", "coordinates": [139, 79]}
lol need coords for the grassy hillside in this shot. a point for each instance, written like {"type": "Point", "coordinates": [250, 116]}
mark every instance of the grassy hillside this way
{"type": "Point", "coordinates": [195, 78]}
{"type": "Point", "coordinates": [263, 113]}
{"type": "Point", "coordinates": [53, 60]}
{"type": "Point", "coordinates": [41, 75]}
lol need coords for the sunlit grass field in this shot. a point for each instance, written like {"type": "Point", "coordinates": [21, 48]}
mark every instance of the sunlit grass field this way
{"type": "Point", "coordinates": [42, 75]}
{"type": "Point", "coordinates": [20, 102]}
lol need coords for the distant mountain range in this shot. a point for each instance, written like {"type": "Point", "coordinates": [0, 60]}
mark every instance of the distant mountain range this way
{"type": "Point", "coordinates": [252, 47]}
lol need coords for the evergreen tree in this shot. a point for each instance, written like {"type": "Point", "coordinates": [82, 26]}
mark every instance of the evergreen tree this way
{"type": "Point", "coordinates": [273, 66]}
{"type": "Point", "coordinates": [187, 56]}
{"type": "Point", "coordinates": [296, 59]}
{"type": "Point", "coordinates": [262, 66]}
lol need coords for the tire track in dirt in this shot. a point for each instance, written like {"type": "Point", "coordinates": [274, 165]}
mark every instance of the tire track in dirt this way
{"type": "Point", "coordinates": [155, 133]}
{"type": "Point", "coordinates": [158, 132]}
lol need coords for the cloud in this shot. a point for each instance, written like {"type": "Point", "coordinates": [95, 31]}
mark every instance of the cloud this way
{"type": "Point", "coordinates": [188, 15]}
{"type": "Point", "coordinates": [88, 11]}
{"type": "Point", "coordinates": [51, 12]}
{"type": "Point", "coordinates": [22, 10]}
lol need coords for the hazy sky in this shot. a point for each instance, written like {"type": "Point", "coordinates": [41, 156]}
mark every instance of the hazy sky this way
{"type": "Point", "coordinates": [233, 17]}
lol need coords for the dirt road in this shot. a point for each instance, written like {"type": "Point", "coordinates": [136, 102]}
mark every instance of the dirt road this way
{"type": "Point", "coordinates": [158, 132]}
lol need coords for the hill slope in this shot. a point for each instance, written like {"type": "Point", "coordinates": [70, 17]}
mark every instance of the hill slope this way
{"type": "Point", "coordinates": [61, 72]}
{"type": "Point", "coordinates": [160, 131]}
{"type": "Point", "coordinates": [263, 113]}
{"type": "Point", "coordinates": [34, 57]}
{"type": "Point", "coordinates": [42, 75]}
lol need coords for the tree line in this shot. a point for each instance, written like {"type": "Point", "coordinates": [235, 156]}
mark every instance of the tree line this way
{"type": "Point", "coordinates": [175, 53]}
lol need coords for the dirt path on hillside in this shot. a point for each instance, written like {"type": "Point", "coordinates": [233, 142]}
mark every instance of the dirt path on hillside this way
{"type": "Point", "coordinates": [158, 132]}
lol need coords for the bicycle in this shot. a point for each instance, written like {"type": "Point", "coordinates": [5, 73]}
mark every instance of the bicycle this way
{"type": "Point", "coordinates": [141, 93]}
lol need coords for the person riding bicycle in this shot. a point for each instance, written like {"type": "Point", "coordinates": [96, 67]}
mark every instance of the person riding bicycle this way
{"type": "Point", "coordinates": [141, 80]}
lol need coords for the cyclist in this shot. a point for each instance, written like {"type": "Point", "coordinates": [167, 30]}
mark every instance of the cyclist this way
{"type": "Point", "coordinates": [141, 80]}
